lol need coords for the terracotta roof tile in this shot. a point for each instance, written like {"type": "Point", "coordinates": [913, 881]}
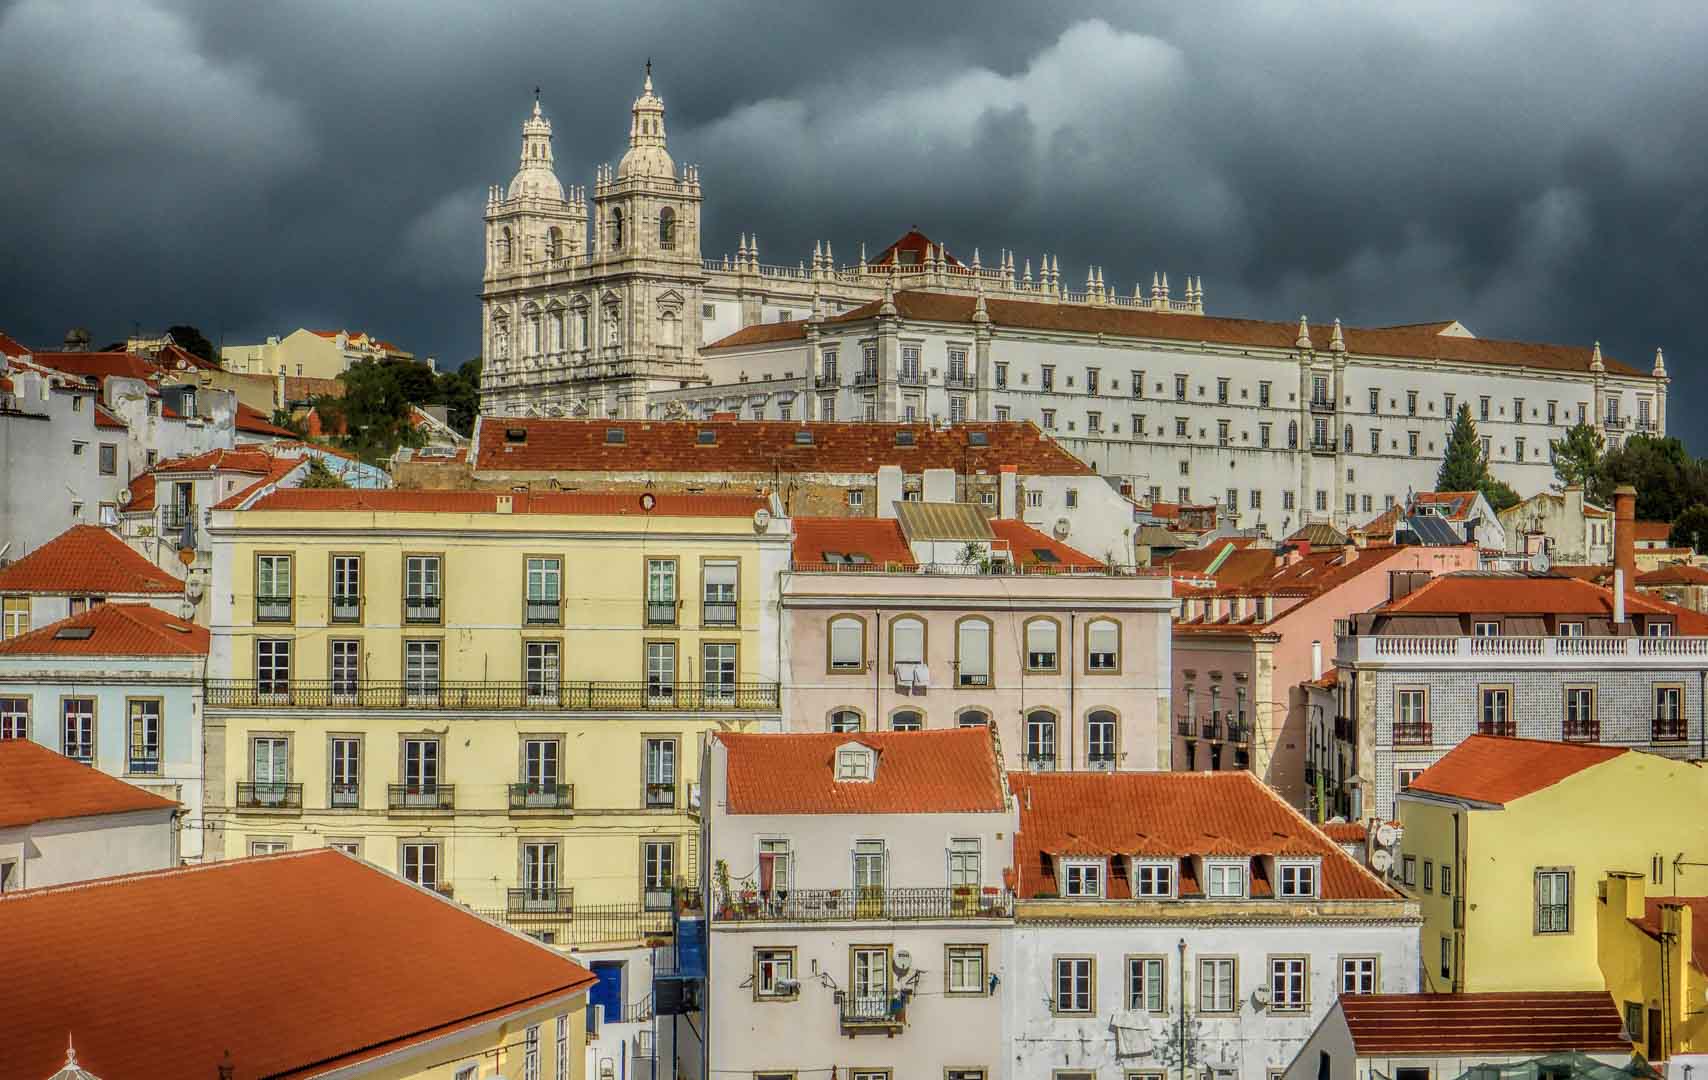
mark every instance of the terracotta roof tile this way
{"type": "Point", "coordinates": [1482, 592]}
{"type": "Point", "coordinates": [1453, 1024]}
{"type": "Point", "coordinates": [113, 630]}
{"type": "Point", "coordinates": [1170, 814]}
{"type": "Point", "coordinates": [10, 346]}
{"type": "Point", "coordinates": [239, 460]}
{"type": "Point", "coordinates": [107, 420]}
{"type": "Point", "coordinates": [918, 772]}
{"type": "Point", "coordinates": [1026, 542]}
{"type": "Point", "coordinates": [38, 784]}
{"type": "Point", "coordinates": [399, 500]}
{"type": "Point", "coordinates": [878, 539]}
{"type": "Point", "coordinates": [277, 470]}
{"type": "Point", "coordinates": [761, 334]}
{"type": "Point", "coordinates": [1677, 574]}
{"type": "Point", "coordinates": [255, 422]}
{"type": "Point", "coordinates": [764, 447]}
{"type": "Point", "coordinates": [99, 365]}
{"type": "Point", "coordinates": [141, 494]}
{"type": "Point", "coordinates": [912, 242]}
{"type": "Point", "coordinates": [1494, 769]}
{"type": "Point", "coordinates": [1343, 832]}
{"type": "Point", "coordinates": [234, 942]}
{"type": "Point", "coordinates": [1651, 531]}
{"type": "Point", "coordinates": [1458, 504]}
{"type": "Point", "coordinates": [87, 559]}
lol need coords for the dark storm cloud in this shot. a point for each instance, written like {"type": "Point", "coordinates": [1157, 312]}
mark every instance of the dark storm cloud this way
{"type": "Point", "coordinates": [1535, 171]}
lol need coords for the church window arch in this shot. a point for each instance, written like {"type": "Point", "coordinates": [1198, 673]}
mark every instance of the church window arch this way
{"type": "Point", "coordinates": [667, 228]}
{"type": "Point", "coordinates": [504, 246]}
{"type": "Point", "coordinates": [616, 228]}
{"type": "Point", "coordinates": [668, 334]}
{"type": "Point", "coordinates": [554, 243]}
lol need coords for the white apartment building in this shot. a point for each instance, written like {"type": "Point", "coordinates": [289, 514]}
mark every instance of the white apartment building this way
{"type": "Point", "coordinates": [1172, 924]}
{"type": "Point", "coordinates": [857, 904]}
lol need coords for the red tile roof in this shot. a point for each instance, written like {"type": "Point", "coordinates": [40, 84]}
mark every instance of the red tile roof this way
{"type": "Point", "coordinates": [240, 460]}
{"type": "Point", "coordinates": [1133, 323]}
{"type": "Point", "coordinates": [244, 958]}
{"type": "Point", "coordinates": [1343, 832]}
{"type": "Point", "coordinates": [1454, 505]}
{"type": "Point", "coordinates": [141, 494]}
{"type": "Point", "coordinates": [399, 500]}
{"type": "Point", "coordinates": [1170, 814]}
{"type": "Point", "coordinates": [10, 346]}
{"type": "Point", "coordinates": [38, 784]}
{"type": "Point", "coordinates": [183, 359]}
{"type": "Point", "coordinates": [1025, 542]}
{"type": "Point", "coordinates": [1453, 1024]}
{"type": "Point", "coordinates": [914, 242]}
{"type": "Point", "coordinates": [880, 540]}
{"type": "Point", "coordinates": [113, 630]}
{"type": "Point", "coordinates": [87, 559]}
{"type": "Point", "coordinates": [256, 422]}
{"type": "Point", "coordinates": [764, 447]}
{"type": "Point", "coordinates": [1677, 574]}
{"type": "Point", "coordinates": [761, 334]}
{"type": "Point", "coordinates": [105, 419]}
{"type": "Point", "coordinates": [279, 468]}
{"type": "Point", "coordinates": [1471, 593]}
{"type": "Point", "coordinates": [1651, 531]}
{"type": "Point", "coordinates": [919, 772]}
{"type": "Point", "coordinates": [1496, 769]}
{"type": "Point", "coordinates": [1650, 923]}
{"type": "Point", "coordinates": [99, 365]}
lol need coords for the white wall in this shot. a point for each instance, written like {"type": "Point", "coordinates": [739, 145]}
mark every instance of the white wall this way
{"type": "Point", "coordinates": [77, 849]}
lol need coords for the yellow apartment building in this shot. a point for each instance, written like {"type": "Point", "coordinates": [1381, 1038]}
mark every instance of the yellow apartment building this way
{"type": "Point", "coordinates": [1506, 844]}
{"type": "Point", "coordinates": [501, 696]}
{"type": "Point", "coordinates": [1655, 962]}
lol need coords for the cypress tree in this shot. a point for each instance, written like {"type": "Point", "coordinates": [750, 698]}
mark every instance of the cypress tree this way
{"type": "Point", "coordinates": [1463, 467]}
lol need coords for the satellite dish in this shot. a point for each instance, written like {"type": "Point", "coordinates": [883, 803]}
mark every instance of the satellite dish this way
{"type": "Point", "coordinates": [1386, 834]}
{"type": "Point", "coordinates": [903, 960]}
{"type": "Point", "coordinates": [647, 501]}
{"type": "Point", "coordinates": [1381, 861]}
{"type": "Point", "coordinates": [1062, 528]}
{"type": "Point", "coordinates": [124, 496]}
{"type": "Point", "coordinates": [1261, 996]}
{"type": "Point", "coordinates": [761, 519]}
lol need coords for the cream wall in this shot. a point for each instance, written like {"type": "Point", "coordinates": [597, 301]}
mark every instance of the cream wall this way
{"type": "Point", "coordinates": [77, 849]}
{"type": "Point", "coordinates": [492, 1049]}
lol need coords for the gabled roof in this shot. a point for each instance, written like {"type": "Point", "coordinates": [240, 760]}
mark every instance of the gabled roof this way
{"type": "Point", "coordinates": [176, 356]}
{"type": "Point", "coordinates": [1676, 574]}
{"type": "Point", "coordinates": [401, 500]}
{"type": "Point", "coordinates": [141, 494]}
{"type": "Point", "coordinates": [277, 470]}
{"type": "Point", "coordinates": [38, 784]}
{"type": "Point", "coordinates": [100, 365]}
{"type": "Point", "coordinates": [1252, 572]}
{"type": "Point", "coordinates": [253, 421]}
{"type": "Point", "coordinates": [1651, 531]}
{"type": "Point", "coordinates": [912, 242]}
{"type": "Point", "coordinates": [1650, 923]}
{"type": "Point", "coordinates": [950, 771]}
{"type": "Point", "coordinates": [107, 420]}
{"type": "Point", "coordinates": [1169, 815]}
{"type": "Point", "coordinates": [239, 460]}
{"type": "Point", "coordinates": [87, 559]}
{"type": "Point", "coordinates": [878, 540]}
{"type": "Point", "coordinates": [113, 630]}
{"type": "Point", "coordinates": [11, 347]}
{"type": "Point", "coordinates": [765, 447]}
{"type": "Point", "coordinates": [1027, 545]}
{"type": "Point", "coordinates": [761, 334]}
{"type": "Point", "coordinates": [1496, 769]}
{"type": "Point", "coordinates": [1478, 592]}
{"type": "Point", "coordinates": [239, 959]}
{"type": "Point", "coordinates": [927, 522]}
{"type": "Point", "coordinates": [1318, 534]}
{"type": "Point", "coordinates": [1452, 1024]}
{"type": "Point", "coordinates": [1452, 505]}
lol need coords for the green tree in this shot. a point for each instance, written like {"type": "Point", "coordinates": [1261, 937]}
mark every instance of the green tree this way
{"type": "Point", "coordinates": [1463, 467]}
{"type": "Point", "coordinates": [319, 476]}
{"type": "Point", "coordinates": [1577, 460]}
{"type": "Point", "coordinates": [459, 392]}
{"type": "Point", "coordinates": [191, 340]}
{"type": "Point", "coordinates": [1667, 479]}
{"type": "Point", "coordinates": [374, 409]}
{"type": "Point", "coordinates": [1691, 528]}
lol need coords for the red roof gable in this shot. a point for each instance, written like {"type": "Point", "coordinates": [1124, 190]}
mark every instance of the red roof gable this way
{"type": "Point", "coordinates": [879, 540]}
{"type": "Point", "coordinates": [1677, 574]}
{"type": "Point", "coordinates": [918, 772]}
{"type": "Point", "coordinates": [38, 784]}
{"type": "Point", "coordinates": [1026, 543]}
{"type": "Point", "coordinates": [87, 559]}
{"type": "Point", "coordinates": [1496, 769]}
{"type": "Point", "coordinates": [10, 346]}
{"type": "Point", "coordinates": [912, 243]}
{"type": "Point", "coordinates": [113, 630]}
{"type": "Point", "coordinates": [1518, 1023]}
{"type": "Point", "coordinates": [240, 962]}
{"type": "Point", "coordinates": [1651, 531]}
{"type": "Point", "coordinates": [141, 494]}
{"type": "Point", "coordinates": [240, 460]}
{"type": "Point", "coordinates": [761, 334]}
{"type": "Point", "coordinates": [764, 447]}
{"type": "Point", "coordinates": [105, 419]}
{"type": "Point", "coordinates": [400, 500]}
{"type": "Point", "coordinates": [1450, 505]}
{"type": "Point", "coordinates": [1479, 592]}
{"type": "Point", "coordinates": [255, 422]}
{"type": "Point", "coordinates": [99, 365]}
{"type": "Point", "coordinates": [1170, 814]}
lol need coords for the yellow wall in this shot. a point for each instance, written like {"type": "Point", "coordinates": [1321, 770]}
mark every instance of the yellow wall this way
{"type": "Point", "coordinates": [497, 1051]}
{"type": "Point", "coordinates": [1615, 816]}
{"type": "Point", "coordinates": [1631, 967]}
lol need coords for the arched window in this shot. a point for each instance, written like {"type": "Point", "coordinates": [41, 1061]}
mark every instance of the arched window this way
{"type": "Point", "coordinates": [1102, 646]}
{"type": "Point", "coordinates": [907, 720]}
{"type": "Point", "coordinates": [845, 720]}
{"type": "Point", "coordinates": [667, 228]}
{"type": "Point", "coordinates": [1041, 740]}
{"type": "Point", "coordinates": [972, 652]}
{"type": "Point", "coordinates": [1042, 639]}
{"type": "Point", "coordinates": [554, 243]}
{"type": "Point", "coordinates": [582, 338]}
{"type": "Point", "coordinates": [907, 641]}
{"type": "Point", "coordinates": [1292, 434]}
{"type": "Point", "coordinates": [557, 331]}
{"type": "Point", "coordinates": [536, 332]}
{"type": "Point", "coordinates": [667, 324]}
{"type": "Point", "coordinates": [847, 643]}
{"type": "Point", "coordinates": [1100, 739]}
{"type": "Point", "coordinates": [504, 246]}
{"type": "Point", "coordinates": [973, 718]}
{"type": "Point", "coordinates": [616, 228]}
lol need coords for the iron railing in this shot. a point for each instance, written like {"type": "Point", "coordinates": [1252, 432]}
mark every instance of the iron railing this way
{"type": "Point", "coordinates": [538, 612]}
{"type": "Point", "coordinates": [542, 796]}
{"type": "Point", "coordinates": [838, 905]}
{"type": "Point", "coordinates": [1185, 726]}
{"type": "Point", "coordinates": [539, 899]}
{"type": "Point", "coordinates": [661, 613]}
{"type": "Point", "coordinates": [1211, 728]}
{"type": "Point", "coordinates": [582, 925]}
{"type": "Point", "coordinates": [1505, 728]}
{"type": "Point", "coordinates": [174, 518]}
{"type": "Point", "coordinates": [346, 608]}
{"type": "Point", "coordinates": [1040, 763]}
{"type": "Point", "coordinates": [421, 796]}
{"type": "Point", "coordinates": [272, 609]}
{"type": "Point", "coordinates": [884, 1012]}
{"type": "Point", "coordinates": [1581, 731]}
{"type": "Point", "coordinates": [718, 613]}
{"type": "Point", "coordinates": [423, 609]}
{"type": "Point", "coordinates": [1239, 731]}
{"type": "Point", "coordinates": [660, 795]}
{"type": "Point", "coordinates": [1417, 734]}
{"type": "Point", "coordinates": [345, 795]}
{"type": "Point", "coordinates": [1669, 729]}
{"type": "Point", "coordinates": [911, 377]}
{"type": "Point", "coordinates": [964, 381]}
{"type": "Point", "coordinates": [826, 380]}
{"type": "Point", "coordinates": [586, 696]}
{"type": "Point", "coordinates": [268, 795]}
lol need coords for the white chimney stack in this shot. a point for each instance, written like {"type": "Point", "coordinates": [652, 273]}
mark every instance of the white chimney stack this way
{"type": "Point", "coordinates": [1316, 660]}
{"type": "Point", "coordinates": [1618, 598]}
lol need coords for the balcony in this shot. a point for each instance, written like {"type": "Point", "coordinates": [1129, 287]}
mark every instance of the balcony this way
{"type": "Point", "coordinates": [846, 905]}
{"type": "Point", "coordinates": [491, 696]}
{"type": "Point", "coordinates": [345, 796]}
{"type": "Point", "coordinates": [423, 609]}
{"type": "Point", "coordinates": [145, 763]}
{"type": "Point", "coordinates": [960, 380]}
{"type": "Point", "coordinates": [1040, 763]}
{"type": "Point", "coordinates": [272, 609]}
{"type": "Point", "coordinates": [1670, 729]}
{"type": "Point", "coordinates": [1323, 446]}
{"type": "Point", "coordinates": [661, 612]}
{"type": "Point", "coordinates": [885, 1015]}
{"type": "Point", "coordinates": [911, 377]}
{"type": "Point", "coordinates": [269, 795]}
{"type": "Point", "coordinates": [536, 900]}
{"type": "Point", "coordinates": [661, 796]}
{"type": "Point", "coordinates": [1210, 729]}
{"type": "Point", "coordinates": [1581, 731]}
{"type": "Point", "coordinates": [1321, 404]}
{"type": "Point", "coordinates": [429, 798]}
{"type": "Point", "coordinates": [1516, 651]}
{"type": "Point", "coordinates": [1100, 762]}
{"type": "Point", "coordinates": [718, 613]}
{"type": "Point", "coordinates": [346, 609]}
{"type": "Point", "coordinates": [1185, 727]}
{"type": "Point", "coordinates": [1239, 731]}
{"type": "Point", "coordinates": [174, 518]}
{"type": "Point", "coordinates": [1506, 729]}
{"type": "Point", "coordinates": [826, 380]}
{"type": "Point", "coordinates": [541, 612]}
{"type": "Point", "coordinates": [581, 925]}
{"type": "Point", "coordinates": [542, 796]}
{"type": "Point", "coordinates": [866, 378]}
{"type": "Point", "coordinates": [1614, 423]}
{"type": "Point", "coordinates": [1413, 734]}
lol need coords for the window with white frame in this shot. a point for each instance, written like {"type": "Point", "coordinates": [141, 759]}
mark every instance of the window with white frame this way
{"type": "Point", "coordinates": [1073, 984]}
{"type": "Point", "coordinates": [1553, 901]}
{"type": "Point", "coordinates": [1145, 984]}
{"type": "Point", "coordinates": [775, 858]}
{"type": "Point", "coordinates": [1216, 984]}
{"type": "Point", "coordinates": [964, 862]}
{"type": "Point", "coordinates": [78, 729]}
{"type": "Point", "coordinates": [421, 666]}
{"type": "Point", "coordinates": [1100, 739]}
{"type": "Point", "coordinates": [1103, 645]}
{"type": "Point", "coordinates": [845, 720]}
{"type": "Point", "coordinates": [14, 717]}
{"type": "Point", "coordinates": [1358, 974]}
{"type": "Point", "coordinates": [1040, 740]}
{"type": "Point", "coordinates": [854, 763]}
{"type": "Point", "coordinates": [1224, 880]}
{"type": "Point", "coordinates": [1298, 879]}
{"type": "Point", "coordinates": [531, 1053]}
{"type": "Point", "coordinates": [869, 858]}
{"type": "Point", "coordinates": [965, 965]}
{"type": "Point", "coordinates": [847, 643]}
{"type": "Point", "coordinates": [907, 641]}
{"type": "Point", "coordinates": [1287, 983]}
{"type": "Point", "coordinates": [774, 973]}
{"type": "Point", "coordinates": [972, 652]}
{"type": "Point", "coordinates": [561, 1059]}
{"type": "Point", "coordinates": [1082, 878]}
{"type": "Point", "coordinates": [1154, 878]}
{"type": "Point", "coordinates": [272, 665]}
{"type": "Point", "coordinates": [421, 863]}
{"type": "Point", "coordinates": [1041, 645]}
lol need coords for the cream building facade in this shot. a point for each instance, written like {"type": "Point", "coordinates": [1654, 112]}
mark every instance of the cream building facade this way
{"type": "Point", "coordinates": [313, 354]}
{"type": "Point", "coordinates": [612, 310]}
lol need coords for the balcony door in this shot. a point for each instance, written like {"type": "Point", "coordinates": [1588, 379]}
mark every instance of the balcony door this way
{"type": "Point", "coordinates": [871, 983]}
{"type": "Point", "coordinates": [271, 770]}
{"type": "Point", "coordinates": [540, 771]}
{"type": "Point", "coordinates": [421, 771]}
{"type": "Point", "coordinates": [539, 875]}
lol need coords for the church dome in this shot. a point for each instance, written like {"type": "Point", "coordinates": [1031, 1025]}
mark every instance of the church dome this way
{"type": "Point", "coordinates": [646, 155]}
{"type": "Point", "coordinates": [535, 177]}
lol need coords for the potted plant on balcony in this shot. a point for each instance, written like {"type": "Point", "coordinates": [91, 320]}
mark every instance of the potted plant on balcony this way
{"type": "Point", "coordinates": [964, 900]}
{"type": "Point", "coordinates": [720, 873]}
{"type": "Point", "coordinates": [749, 901]}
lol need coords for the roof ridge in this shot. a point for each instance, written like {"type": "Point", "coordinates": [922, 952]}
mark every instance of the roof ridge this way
{"type": "Point", "coordinates": [142, 875]}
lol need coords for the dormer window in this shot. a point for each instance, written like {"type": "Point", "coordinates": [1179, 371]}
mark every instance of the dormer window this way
{"type": "Point", "coordinates": [1082, 878]}
{"type": "Point", "coordinates": [1224, 879]}
{"type": "Point", "coordinates": [854, 763]}
{"type": "Point", "coordinates": [1154, 878]}
{"type": "Point", "coordinates": [1298, 880]}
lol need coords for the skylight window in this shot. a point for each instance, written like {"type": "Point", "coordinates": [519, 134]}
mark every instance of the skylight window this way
{"type": "Point", "coordinates": [803, 438]}
{"type": "Point", "coordinates": [1045, 555]}
{"type": "Point", "coordinates": [615, 436]}
{"type": "Point", "coordinates": [977, 438]}
{"type": "Point", "coordinates": [904, 438]}
{"type": "Point", "coordinates": [74, 633]}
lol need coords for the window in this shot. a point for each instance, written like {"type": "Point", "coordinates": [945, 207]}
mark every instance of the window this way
{"type": "Point", "coordinates": [907, 641]}
{"type": "Point", "coordinates": [1226, 880]}
{"type": "Point", "coordinates": [1375, 440]}
{"type": "Point", "coordinates": [1287, 985]}
{"type": "Point", "coordinates": [421, 772]}
{"type": "Point", "coordinates": [1446, 880]}
{"type": "Point", "coordinates": [346, 588]}
{"type": "Point", "coordinates": [1256, 499]}
{"type": "Point", "coordinates": [1322, 500]}
{"type": "Point", "coordinates": [1100, 739]}
{"type": "Point", "coordinates": [272, 588]}
{"type": "Point", "coordinates": [1446, 957]}
{"type": "Point", "coordinates": [1216, 984]}
{"type": "Point", "coordinates": [845, 720]}
{"type": "Point", "coordinates": [1411, 443]}
{"type": "Point", "coordinates": [965, 967]}
{"type": "Point", "coordinates": [1047, 378]}
{"type": "Point", "coordinates": [14, 717]}
{"type": "Point", "coordinates": [420, 667]}
{"type": "Point", "coordinates": [144, 756]}
{"type": "Point", "coordinates": [562, 1063]}
{"type": "Point", "coordinates": [1002, 412]}
{"type": "Point", "coordinates": [973, 718]}
{"type": "Point", "coordinates": [78, 729]}
{"type": "Point", "coordinates": [1180, 388]}
{"type": "Point", "coordinates": [774, 973]}
{"type": "Point", "coordinates": [109, 459]}
{"type": "Point", "coordinates": [1659, 629]}
{"type": "Point", "coordinates": [720, 592]}
{"type": "Point", "coordinates": [1103, 645]}
{"type": "Point", "coordinates": [1486, 629]}
{"type": "Point", "coordinates": [1048, 422]}
{"type": "Point", "coordinates": [1408, 869]}
{"type": "Point", "coordinates": [1041, 740]}
{"type": "Point", "coordinates": [14, 616]}
{"type": "Point", "coordinates": [267, 846]}
{"type": "Point", "coordinates": [1553, 901]}
{"type": "Point", "coordinates": [658, 873]}
{"type": "Point", "coordinates": [1482, 408]}
{"type": "Point", "coordinates": [661, 592]}
{"type": "Point", "coordinates": [660, 670]}
{"type": "Point", "coordinates": [1358, 974]}
{"type": "Point", "coordinates": [1001, 376]}
{"type": "Point", "coordinates": [907, 720]}
{"type": "Point", "coordinates": [853, 763]}
{"type": "Point", "coordinates": [1082, 879]}
{"type": "Point", "coordinates": [1496, 716]}
{"type": "Point", "coordinates": [1580, 713]}
{"type": "Point", "coordinates": [972, 652]}
{"type": "Point", "coordinates": [717, 662]}
{"type": "Point", "coordinates": [539, 875]}
{"type": "Point", "coordinates": [1154, 879]}
{"type": "Point", "coordinates": [270, 769]}
{"type": "Point", "coordinates": [1041, 640]}
{"type": "Point", "coordinates": [1375, 402]}
{"type": "Point", "coordinates": [422, 588]}
{"type": "Point", "coordinates": [1145, 984]}
{"type": "Point", "coordinates": [1093, 377]}
{"type": "Point", "coordinates": [346, 790]}
{"type": "Point", "coordinates": [541, 666]}
{"type": "Point", "coordinates": [869, 864]}
{"type": "Point", "coordinates": [1634, 1022]}
{"type": "Point", "coordinates": [1411, 402]}
{"type": "Point", "coordinates": [1298, 879]}
{"type": "Point", "coordinates": [272, 665]}
{"type": "Point", "coordinates": [870, 980]}
{"type": "Point", "coordinates": [1073, 984]}
{"type": "Point", "coordinates": [847, 644]}
{"type": "Point", "coordinates": [545, 590]}
{"type": "Point", "coordinates": [1669, 712]}
{"type": "Point", "coordinates": [660, 769]}
{"type": "Point", "coordinates": [421, 863]}
{"type": "Point", "coordinates": [774, 865]}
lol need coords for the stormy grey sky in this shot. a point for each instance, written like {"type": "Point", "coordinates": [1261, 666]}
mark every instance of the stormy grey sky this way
{"type": "Point", "coordinates": [1534, 170]}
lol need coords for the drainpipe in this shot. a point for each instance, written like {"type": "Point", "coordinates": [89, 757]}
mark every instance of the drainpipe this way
{"type": "Point", "coordinates": [1458, 927]}
{"type": "Point", "coordinates": [877, 669]}
{"type": "Point", "coordinates": [1182, 983]}
{"type": "Point", "coordinates": [1073, 655]}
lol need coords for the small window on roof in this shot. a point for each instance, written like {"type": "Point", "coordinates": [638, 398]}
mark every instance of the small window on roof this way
{"type": "Point", "coordinates": [615, 436]}
{"type": "Point", "coordinates": [74, 633]}
{"type": "Point", "coordinates": [803, 438]}
{"type": "Point", "coordinates": [706, 437]}
{"type": "Point", "coordinates": [515, 434]}
{"type": "Point", "coordinates": [977, 438]}
{"type": "Point", "coordinates": [1045, 555]}
{"type": "Point", "coordinates": [833, 558]}
{"type": "Point", "coordinates": [859, 559]}
{"type": "Point", "coordinates": [904, 438]}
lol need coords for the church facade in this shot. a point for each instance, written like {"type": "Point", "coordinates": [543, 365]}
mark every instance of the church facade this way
{"type": "Point", "coordinates": [612, 310]}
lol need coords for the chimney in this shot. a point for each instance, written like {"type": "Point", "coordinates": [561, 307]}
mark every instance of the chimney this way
{"type": "Point", "coordinates": [1316, 660]}
{"type": "Point", "coordinates": [1007, 492]}
{"type": "Point", "coordinates": [1624, 530]}
{"type": "Point", "coordinates": [1626, 893]}
{"type": "Point", "coordinates": [1618, 599]}
{"type": "Point", "coordinates": [939, 485]}
{"type": "Point", "coordinates": [1348, 553]}
{"type": "Point", "coordinates": [889, 490]}
{"type": "Point", "coordinates": [1400, 584]}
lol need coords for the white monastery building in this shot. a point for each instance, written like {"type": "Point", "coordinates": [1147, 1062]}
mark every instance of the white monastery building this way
{"type": "Point", "coordinates": [610, 308]}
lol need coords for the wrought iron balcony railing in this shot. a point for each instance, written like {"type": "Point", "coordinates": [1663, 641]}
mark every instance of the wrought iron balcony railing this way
{"type": "Point", "coordinates": [582, 925]}
{"type": "Point", "coordinates": [346, 608]}
{"type": "Point", "coordinates": [885, 1012]}
{"type": "Point", "coordinates": [718, 613]}
{"type": "Point", "coordinates": [421, 796]}
{"type": "Point", "coordinates": [1413, 734]}
{"type": "Point", "coordinates": [541, 612]}
{"type": "Point", "coordinates": [542, 796]}
{"type": "Point", "coordinates": [541, 900]}
{"type": "Point", "coordinates": [661, 613]}
{"type": "Point", "coordinates": [1505, 728]}
{"type": "Point", "coordinates": [423, 609]}
{"type": "Point", "coordinates": [960, 380]}
{"type": "Point", "coordinates": [1581, 731]}
{"type": "Point", "coordinates": [1669, 729]}
{"type": "Point", "coordinates": [345, 795]}
{"type": "Point", "coordinates": [837, 905]}
{"type": "Point", "coordinates": [273, 609]}
{"type": "Point", "coordinates": [585, 696]}
{"type": "Point", "coordinates": [268, 795]}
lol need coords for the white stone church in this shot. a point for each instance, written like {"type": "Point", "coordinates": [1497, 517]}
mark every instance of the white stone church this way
{"type": "Point", "coordinates": [616, 312]}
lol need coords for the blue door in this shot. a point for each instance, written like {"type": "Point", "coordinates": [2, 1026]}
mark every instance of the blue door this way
{"type": "Point", "coordinates": [608, 991]}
